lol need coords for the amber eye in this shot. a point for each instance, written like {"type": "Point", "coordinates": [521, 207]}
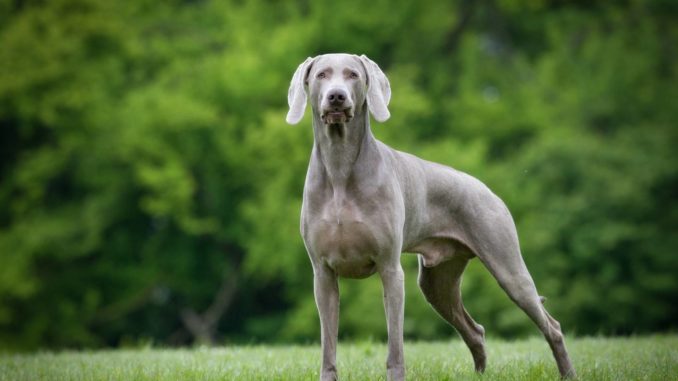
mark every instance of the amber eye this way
{"type": "Point", "coordinates": [321, 75]}
{"type": "Point", "coordinates": [353, 75]}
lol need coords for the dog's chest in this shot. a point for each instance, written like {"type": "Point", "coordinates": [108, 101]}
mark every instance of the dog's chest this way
{"type": "Point", "coordinates": [347, 234]}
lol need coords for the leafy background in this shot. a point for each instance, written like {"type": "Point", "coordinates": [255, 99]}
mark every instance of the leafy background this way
{"type": "Point", "coordinates": [150, 188]}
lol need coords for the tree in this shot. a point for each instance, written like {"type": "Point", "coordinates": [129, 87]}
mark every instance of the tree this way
{"type": "Point", "coordinates": [150, 188]}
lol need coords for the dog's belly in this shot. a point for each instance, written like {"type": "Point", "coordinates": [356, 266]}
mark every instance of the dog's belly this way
{"type": "Point", "coordinates": [348, 247]}
{"type": "Point", "coordinates": [435, 250]}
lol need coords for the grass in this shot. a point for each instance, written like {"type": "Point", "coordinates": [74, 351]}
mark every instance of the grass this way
{"type": "Point", "coordinates": [636, 358]}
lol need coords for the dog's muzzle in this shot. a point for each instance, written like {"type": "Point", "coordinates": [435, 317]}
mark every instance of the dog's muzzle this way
{"type": "Point", "coordinates": [337, 116]}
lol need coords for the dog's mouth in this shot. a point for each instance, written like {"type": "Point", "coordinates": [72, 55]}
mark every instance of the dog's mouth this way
{"type": "Point", "coordinates": [337, 116]}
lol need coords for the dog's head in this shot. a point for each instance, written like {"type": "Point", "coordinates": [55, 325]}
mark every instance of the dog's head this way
{"type": "Point", "coordinates": [338, 84]}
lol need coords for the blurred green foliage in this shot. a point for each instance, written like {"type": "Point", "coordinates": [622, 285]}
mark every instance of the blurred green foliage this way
{"type": "Point", "coordinates": [150, 188]}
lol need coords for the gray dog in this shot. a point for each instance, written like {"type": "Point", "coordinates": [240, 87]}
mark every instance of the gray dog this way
{"type": "Point", "coordinates": [365, 203]}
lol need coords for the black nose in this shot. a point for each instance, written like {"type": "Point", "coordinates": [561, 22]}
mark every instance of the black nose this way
{"type": "Point", "coordinates": [336, 97]}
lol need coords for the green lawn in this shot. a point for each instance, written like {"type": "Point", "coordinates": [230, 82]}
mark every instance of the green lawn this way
{"type": "Point", "coordinates": [641, 358]}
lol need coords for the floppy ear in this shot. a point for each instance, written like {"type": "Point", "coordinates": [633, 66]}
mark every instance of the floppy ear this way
{"type": "Point", "coordinates": [378, 90]}
{"type": "Point", "coordinates": [296, 96]}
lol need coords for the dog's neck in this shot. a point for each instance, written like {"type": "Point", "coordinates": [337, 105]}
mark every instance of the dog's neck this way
{"type": "Point", "coordinates": [343, 150]}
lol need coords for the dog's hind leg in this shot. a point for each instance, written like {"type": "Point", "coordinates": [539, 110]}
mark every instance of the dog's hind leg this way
{"type": "Point", "coordinates": [509, 269]}
{"type": "Point", "coordinates": [441, 286]}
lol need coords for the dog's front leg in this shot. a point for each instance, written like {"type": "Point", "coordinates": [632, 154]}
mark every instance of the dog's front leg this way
{"type": "Point", "coordinates": [393, 279]}
{"type": "Point", "coordinates": [326, 291]}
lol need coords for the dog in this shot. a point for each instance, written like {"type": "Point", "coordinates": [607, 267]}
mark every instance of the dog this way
{"type": "Point", "coordinates": [365, 203]}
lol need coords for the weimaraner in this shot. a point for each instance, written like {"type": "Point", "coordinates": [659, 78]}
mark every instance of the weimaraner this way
{"type": "Point", "coordinates": [365, 203]}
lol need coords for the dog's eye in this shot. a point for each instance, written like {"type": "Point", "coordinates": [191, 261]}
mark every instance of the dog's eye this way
{"type": "Point", "coordinates": [353, 75]}
{"type": "Point", "coordinates": [321, 75]}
